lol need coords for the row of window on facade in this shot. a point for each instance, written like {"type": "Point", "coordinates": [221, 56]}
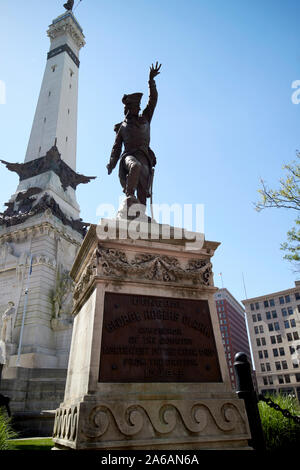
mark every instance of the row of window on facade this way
{"type": "Point", "coordinates": [285, 378]}
{"type": "Point", "coordinates": [279, 365]}
{"type": "Point", "coordinates": [264, 354]}
{"type": "Point", "coordinates": [278, 339]}
{"type": "Point", "coordinates": [275, 326]}
{"type": "Point", "coordinates": [273, 314]}
{"type": "Point", "coordinates": [271, 302]}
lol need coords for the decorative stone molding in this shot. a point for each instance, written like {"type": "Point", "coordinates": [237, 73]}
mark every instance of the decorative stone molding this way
{"type": "Point", "coordinates": [67, 25]}
{"type": "Point", "coordinates": [66, 423]}
{"type": "Point", "coordinates": [43, 259]}
{"type": "Point", "coordinates": [149, 420]}
{"type": "Point", "coordinates": [42, 228]}
{"type": "Point", "coordinates": [114, 264]}
{"type": "Point", "coordinates": [153, 267]}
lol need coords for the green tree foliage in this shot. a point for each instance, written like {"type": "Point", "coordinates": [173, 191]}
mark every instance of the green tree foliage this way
{"type": "Point", "coordinates": [6, 431]}
{"type": "Point", "coordinates": [287, 196]}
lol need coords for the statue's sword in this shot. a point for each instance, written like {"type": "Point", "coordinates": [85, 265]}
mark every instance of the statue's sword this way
{"type": "Point", "coordinates": [151, 193]}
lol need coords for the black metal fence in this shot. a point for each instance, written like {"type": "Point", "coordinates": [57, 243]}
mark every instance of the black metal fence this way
{"type": "Point", "coordinates": [245, 391]}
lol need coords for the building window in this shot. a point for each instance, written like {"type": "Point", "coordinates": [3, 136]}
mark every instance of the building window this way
{"type": "Point", "coordinates": [290, 311]}
{"type": "Point", "coordinates": [284, 365]}
{"type": "Point", "coordinates": [256, 330]}
{"type": "Point", "coordinates": [270, 379]}
{"type": "Point", "coordinates": [296, 335]}
{"type": "Point", "coordinates": [254, 318]}
{"type": "Point", "coordinates": [287, 299]}
{"type": "Point", "coordinates": [297, 296]}
{"type": "Point", "coordinates": [263, 341]}
{"type": "Point", "coordinates": [268, 366]}
{"type": "Point", "coordinates": [265, 380]}
{"type": "Point", "coordinates": [281, 351]}
{"type": "Point", "coordinates": [274, 314]}
{"type": "Point", "coordinates": [261, 329]}
{"type": "Point", "coordinates": [286, 324]}
{"type": "Point", "coordinates": [270, 326]}
{"type": "Point", "coordinates": [278, 365]}
{"type": "Point", "coordinates": [262, 367]}
{"type": "Point", "coordinates": [266, 303]}
{"type": "Point", "coordinates": [266, 355]}
{"type": "Point", "coordinates": [297, 377]}
{"type": "Point", "coordinates": [268, 315]}
{"type": "Point", "coordinates": [279, 339]}
{"type": "Point", "coordinates": [252, 306]}
{"type": "Point", "coordinates": [275, 352]}
{"type": "Point", "coordinates": [258, 317]}
{"type": "Point", "coordinates": [276, 326]}
{"type": "Point", "coordinates": [281, 300]}
{"type": "Point", "coordinates": [287, 379]}
{"type": "Point", "coordinates": [273, 339]}
{"type": "Point", "coordinates": [257, 305]}
{"type": "Point", "coordinates": [280, 379]}
{"type": "Point", "coordinates": [257, 342]}
{"type": "Point", "coordinates": [293, 322]}
{"type": "Point", "coordinates": [284, 312]}
{"type": "Point", "coordinates": [260, 354]}
{"type": "Point", "coordinates": [272, 303]}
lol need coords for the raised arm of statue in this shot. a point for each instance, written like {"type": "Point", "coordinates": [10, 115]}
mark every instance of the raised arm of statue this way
{"type": "Point", "coordinates": [153, 95]}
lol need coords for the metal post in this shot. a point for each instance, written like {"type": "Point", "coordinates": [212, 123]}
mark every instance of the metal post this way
{"type": "Point", "coordinates": [245, 391]}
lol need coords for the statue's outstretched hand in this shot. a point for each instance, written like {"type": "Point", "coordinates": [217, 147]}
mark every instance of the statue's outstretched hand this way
{"type": "Point", "coordinates": [109, 168]}
{"type": "Point", "coordinates": [154, 71]}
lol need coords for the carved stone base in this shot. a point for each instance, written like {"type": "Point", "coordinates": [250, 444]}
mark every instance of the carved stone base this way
{"type": "Point", "coordinates": [147, 368]}
{"type": "Point", "coordinates": [152, 424]}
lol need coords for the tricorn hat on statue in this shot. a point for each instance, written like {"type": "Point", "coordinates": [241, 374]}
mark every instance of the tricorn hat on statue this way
{"type": "Point", "coordinates": [134, 98]}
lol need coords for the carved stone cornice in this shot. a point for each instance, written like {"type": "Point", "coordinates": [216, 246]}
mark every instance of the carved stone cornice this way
{"type": "Point", "coordinates": [152, 267]}
{"type": "Point", "coordinates": [67, 24]}
{"type": "Point", "coordinates": [40, 228]}
{"type": "Point", "coordinates": [115, 265]}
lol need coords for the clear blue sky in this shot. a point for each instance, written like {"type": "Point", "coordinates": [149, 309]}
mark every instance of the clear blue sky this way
{"type": "Point", "coordinates": [224, 117]}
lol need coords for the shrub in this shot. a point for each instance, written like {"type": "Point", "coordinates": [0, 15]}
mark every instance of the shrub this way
{"type": "Point", "coordinates": [280, 433]}
{"type": "Point", "coordinates": [6, 431]}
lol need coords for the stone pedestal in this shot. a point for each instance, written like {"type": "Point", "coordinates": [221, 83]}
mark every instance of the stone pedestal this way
{"type": "Point", "coordinates": [147, 368]}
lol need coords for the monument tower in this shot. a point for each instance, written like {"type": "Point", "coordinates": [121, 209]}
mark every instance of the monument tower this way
{"type": "Point", "coordinates": [41, 232]}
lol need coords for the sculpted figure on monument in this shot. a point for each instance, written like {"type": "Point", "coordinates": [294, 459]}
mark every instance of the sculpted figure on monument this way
{"type": "Point", "coordinates": [6, 330]}
{"type": "Point", "coordinates": [7, 323]}
{"type": "Point", "coordinates": [69, 5]}
{"type": "Point", "coordinates": [137, 160]}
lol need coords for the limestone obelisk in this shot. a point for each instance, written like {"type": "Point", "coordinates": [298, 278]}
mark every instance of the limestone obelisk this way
{"type": "Point", "coordinates": [41, 232]}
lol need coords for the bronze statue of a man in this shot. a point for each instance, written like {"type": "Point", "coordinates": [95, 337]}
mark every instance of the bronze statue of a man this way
{"type": "Point", "coordinates": [137, 159]}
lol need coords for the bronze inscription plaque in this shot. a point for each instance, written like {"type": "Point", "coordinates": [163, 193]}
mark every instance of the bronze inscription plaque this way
{"type": "Point", "coordinates": [157, 339]}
